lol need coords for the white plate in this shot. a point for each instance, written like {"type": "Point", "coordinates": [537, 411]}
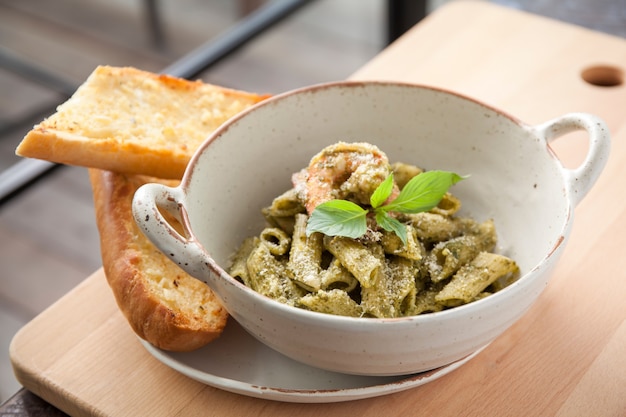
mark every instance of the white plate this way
{"type": "Point", "coordinates": [238, 363]}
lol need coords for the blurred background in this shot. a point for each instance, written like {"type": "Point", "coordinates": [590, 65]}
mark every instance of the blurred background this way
{"type": "Point", "coordinates": [48, 237]}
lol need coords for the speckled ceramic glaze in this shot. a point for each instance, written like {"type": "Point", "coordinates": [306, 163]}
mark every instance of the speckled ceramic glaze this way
{"type": "Point", "coordinates": [515, 179]}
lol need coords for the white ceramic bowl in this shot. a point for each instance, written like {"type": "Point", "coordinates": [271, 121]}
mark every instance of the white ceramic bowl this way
{"type": "Point", "coordinates": [515, 179]}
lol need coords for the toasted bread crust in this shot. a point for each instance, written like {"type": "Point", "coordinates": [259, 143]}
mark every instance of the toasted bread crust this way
{"type": "Point", "coordinates": [135, 122]}
{"type": "Point", "coordinates": [162, 303]}
{"type": "Point", "coordinates": [65, 148]}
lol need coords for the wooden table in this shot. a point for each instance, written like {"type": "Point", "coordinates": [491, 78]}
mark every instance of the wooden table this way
{"type": "Point", "coordinates": [565, 357]}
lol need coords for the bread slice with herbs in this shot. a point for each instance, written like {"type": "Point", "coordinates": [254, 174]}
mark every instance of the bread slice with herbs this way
{"type": "Point", "coordinates": [162, 303]}
{"type": "Point", "coordinates": [136, 122]}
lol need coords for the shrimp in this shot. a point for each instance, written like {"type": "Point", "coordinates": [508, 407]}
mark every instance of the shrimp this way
{"type": "Point", "coordinates": [349, 171]}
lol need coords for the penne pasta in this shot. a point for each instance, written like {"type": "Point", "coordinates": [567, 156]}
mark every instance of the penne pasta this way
{"type": "Point", "coordinates": [331, 302]}
{"type": "Point", "coordinates": [336, 276]}
{"type": "Point", "coordinates": [282, 211]}
{"type": "Point", "coordinates": [305, 256]}
{"type": "Point", "coordinates": [447, 257]}
{"type": "Point", "coordinates": [268, 276]}
{"type": "Point", "coordinates": [433, 227]}
{"type": "Point", "coordinates": [239, 268]}
{"type": "Point", "coordinates": [448, 206]}
{"type": "Point", "coordinates": [474, 277]}
{"type": "Point", "coordinates": [393, 245]}
{"type": "Point", "coordinates": [276, 240]}
{"type": "Point", "coordinates": [356, 258]}
{"type": "Point", "coordinates": [425, 301]}
{"type": "Point", "coordinates": [286, 204]}
{"type": "Point", "coordinates": [393, 294]}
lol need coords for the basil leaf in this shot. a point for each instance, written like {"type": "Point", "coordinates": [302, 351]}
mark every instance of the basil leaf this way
{"type": "Point", "coordinates": [382, 192]}
{"type": "Point", "coordinates": [338, 218]}
{"type": "Point", "coordinates": [391, 225]}
{"type": "Point", "coordinates": [423, 192]}
{"type": "Point", "coordinates": [345, 218]}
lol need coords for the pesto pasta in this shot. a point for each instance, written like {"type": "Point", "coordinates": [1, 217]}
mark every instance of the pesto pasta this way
{"type": "Point", "coordinates": [403, 264]}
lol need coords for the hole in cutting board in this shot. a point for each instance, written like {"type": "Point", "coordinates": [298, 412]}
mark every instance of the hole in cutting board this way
{"type": "Point", "coordinates": [603, 76]}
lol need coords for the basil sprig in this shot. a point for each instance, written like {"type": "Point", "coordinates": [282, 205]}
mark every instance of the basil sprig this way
{"type": "Point", "coordinates": [345, 218]}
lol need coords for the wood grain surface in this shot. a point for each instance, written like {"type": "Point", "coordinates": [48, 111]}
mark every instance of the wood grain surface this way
{"type": "Point", "coordinates": [565, 357]}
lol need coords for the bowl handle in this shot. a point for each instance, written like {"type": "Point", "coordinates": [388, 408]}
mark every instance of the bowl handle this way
{"type": "Point", "coordinates": [148, 202]}
{"type": "Point", "coordinates": [580, 180]}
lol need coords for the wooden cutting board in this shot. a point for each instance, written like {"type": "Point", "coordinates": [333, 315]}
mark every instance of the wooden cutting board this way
{"type": "Point", "coordinates": [565, 357]}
